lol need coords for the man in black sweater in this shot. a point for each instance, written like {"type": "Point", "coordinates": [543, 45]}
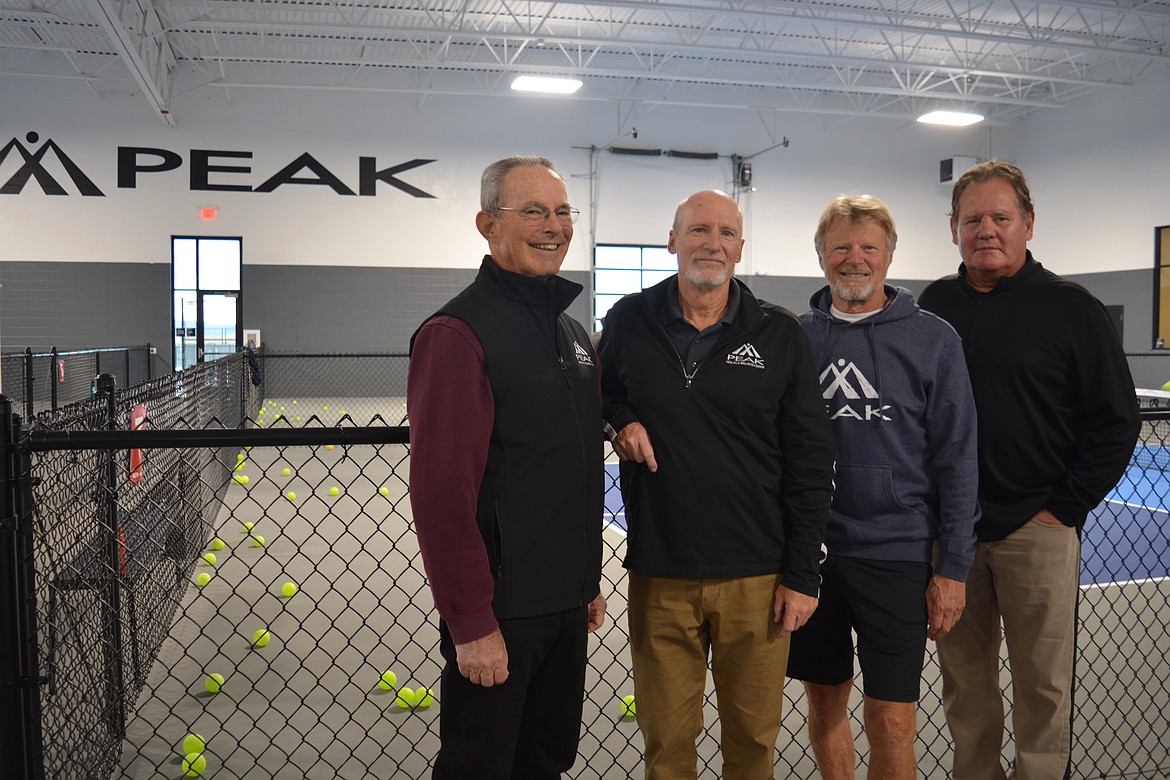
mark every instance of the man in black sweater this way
{"type": "Point", "coordinates": [1058, 419]}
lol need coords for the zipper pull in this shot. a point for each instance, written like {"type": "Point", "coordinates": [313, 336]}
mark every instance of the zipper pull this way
{"type": "Point", "coordinates": [561, 358]}
{"type": "Point", "coordinates": [688, 384]}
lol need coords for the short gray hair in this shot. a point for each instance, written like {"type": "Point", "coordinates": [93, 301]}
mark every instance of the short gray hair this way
{"type": "Point", "coordinates": [854, 209]}
{"type": "Point", "coordinates": [492, 180]}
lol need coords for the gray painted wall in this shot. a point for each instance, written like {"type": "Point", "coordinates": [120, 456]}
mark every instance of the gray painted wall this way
{"type": "Point", "coordinates": [344, 309]}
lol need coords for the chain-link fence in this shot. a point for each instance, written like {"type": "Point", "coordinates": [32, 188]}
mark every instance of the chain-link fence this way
{"type": "Point", "coordinates": [40, 381]}
{"type": "Point", "coordinates": [316, 590]}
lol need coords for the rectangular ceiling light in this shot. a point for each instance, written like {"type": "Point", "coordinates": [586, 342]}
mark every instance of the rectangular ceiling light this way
{"type": "Point", "coordinates": [951, 118]}
{"type": "Point", "coordinates": [548, 84]}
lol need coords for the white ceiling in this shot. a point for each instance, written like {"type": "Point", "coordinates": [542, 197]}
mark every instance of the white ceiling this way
{"type": "Point", "coordinates": [889, 58]}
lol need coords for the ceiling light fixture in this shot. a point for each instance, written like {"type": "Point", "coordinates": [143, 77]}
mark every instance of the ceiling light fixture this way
{"type": "Point", "coordinates": [547, 84]}
{"type": "Point", "coordinates": [950, 118]}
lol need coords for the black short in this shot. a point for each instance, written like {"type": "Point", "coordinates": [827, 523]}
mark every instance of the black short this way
{"type": "Point", "coordinates": [885, 603]}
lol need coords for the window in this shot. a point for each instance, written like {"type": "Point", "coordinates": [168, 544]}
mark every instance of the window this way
{"type": "Point", "coordinates": [206, 307]}
{"type": "Point", "coordinates": [623, 269]}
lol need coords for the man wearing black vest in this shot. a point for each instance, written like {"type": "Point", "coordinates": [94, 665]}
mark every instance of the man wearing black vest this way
{"type": "Point", "coordinates": [506, 486]}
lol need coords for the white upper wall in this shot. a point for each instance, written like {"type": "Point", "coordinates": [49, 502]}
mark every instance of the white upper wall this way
{"type": "Point", "coordinates": [312, 225]}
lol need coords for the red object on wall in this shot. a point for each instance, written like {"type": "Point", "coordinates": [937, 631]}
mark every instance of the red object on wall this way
{"type": "Point", "coordinates": [137, 420]}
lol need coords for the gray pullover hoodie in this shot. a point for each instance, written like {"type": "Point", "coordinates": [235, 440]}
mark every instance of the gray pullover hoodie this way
{"type": "Point", "coordinates": [899, 402]}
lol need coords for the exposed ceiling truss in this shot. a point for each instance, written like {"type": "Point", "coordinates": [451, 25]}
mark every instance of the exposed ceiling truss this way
{"type": "Point", "coordinates": [893, 58]}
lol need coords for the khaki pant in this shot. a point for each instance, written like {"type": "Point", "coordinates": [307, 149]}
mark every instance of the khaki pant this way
{"type": "Point", "coordinates": [674, 624]}
{"type": "Point", "coordinates": [1029, 580]}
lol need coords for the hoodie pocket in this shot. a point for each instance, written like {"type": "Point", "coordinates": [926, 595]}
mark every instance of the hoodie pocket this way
{"type": "Point", "coordinates": [863, 492]}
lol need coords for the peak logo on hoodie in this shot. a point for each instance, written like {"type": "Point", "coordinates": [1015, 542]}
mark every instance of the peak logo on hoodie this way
{"type": "Point", "coordinates": [843, 383]}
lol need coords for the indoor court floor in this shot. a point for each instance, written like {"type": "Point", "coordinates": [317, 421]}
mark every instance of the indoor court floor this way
{"type": "Point", "coordinates": [308, 705]}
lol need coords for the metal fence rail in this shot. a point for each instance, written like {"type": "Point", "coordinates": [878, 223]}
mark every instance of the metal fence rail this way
{"type": "Point", "coordinates": [40, 381]}
{"type": "Point", "coordinates": [126, 620]}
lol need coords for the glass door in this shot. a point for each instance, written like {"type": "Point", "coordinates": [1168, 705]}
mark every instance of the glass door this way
{"type": "Point", "coordinates": [218, 331]}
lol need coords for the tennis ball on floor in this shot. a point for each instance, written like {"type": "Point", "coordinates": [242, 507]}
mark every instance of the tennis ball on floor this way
{"type": "Point", "coordinates": [424, 697]}
{"type": "Point", "coordinates": [333, 491]}
{"type": "Point", "coordinates": [262, 410]}
{"type": "Point", "coordinates": [240, 466]}
{"type": "Point", "coordinates": [278, 418]}
{"type": "Point", "coordinates": [257, 541]}
{"type": "Point", "coordinates": [209, 559]}
{"type": "Point", "coordinates": [242, 479]}
{"type": "Point", "coordinates": [194, 743]}
{"type": "Point", "coordinates": [388, 680]}
{"type": "Point", "coordinates": [328, 446]}
{"type": "Point", "coordinates": [213, 683]}
{"type": "Point", "coordinates": [291, 496]}
{"type": "Point", "coordinates": [240, 457]}
{"type": "Point", "coordinates": [342, 414]}
{"type": "Point", "coordinates": [248, 526]}
{"type": "Point", "coordinates": [286, 472]}
{"type": "Point", "coordinates": [260, 423]}
{"type": "Point", "coordinates": [194, 764]}
{"type": "Point", "coordinates": [326, 408]}
{"type": "Point", "coordinates": [218, 543]}
{"type": "Point", "coordinates": [405, 698]}
{"type": "Point", "coordinates": [629, 708]}
{"type": "Point", "coordinates": [282, 408]}
{"type": "Point", "coordinates": [289, 589]}
{"type": "Point", "coordinates": [298, 418]}
{"type": "Point", "coordinates": [203, 579]}
{"type": "Point", "coordinates": [261, 638]}
{"type": "Point", "coordinates": [385, 491]}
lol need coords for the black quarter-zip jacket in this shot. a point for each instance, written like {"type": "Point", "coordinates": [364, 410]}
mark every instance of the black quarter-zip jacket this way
{"type": "Point", "coordinates": [743, 445]}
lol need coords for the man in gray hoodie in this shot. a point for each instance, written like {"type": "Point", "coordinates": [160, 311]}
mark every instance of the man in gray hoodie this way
{"type": "Point", "coordinates": [900, 537]}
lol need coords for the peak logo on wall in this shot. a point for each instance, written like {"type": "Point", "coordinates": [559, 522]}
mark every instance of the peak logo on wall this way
{"type": "Point", "coordinates": [207, 171]}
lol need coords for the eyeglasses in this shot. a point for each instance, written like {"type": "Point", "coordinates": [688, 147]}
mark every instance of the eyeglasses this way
{"type": "Point", "coordinates": [565, 215]}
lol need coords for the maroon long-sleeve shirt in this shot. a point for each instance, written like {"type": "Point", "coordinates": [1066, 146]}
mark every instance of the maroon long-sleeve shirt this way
{"type": "Point", "coordinates": [451, 409]}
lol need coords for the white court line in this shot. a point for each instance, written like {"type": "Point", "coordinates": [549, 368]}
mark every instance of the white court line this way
{"type": "Point", "coordinates": [611, 523]}
{"type": "Point", "coordinates": [1135, 506]}
{"type": "Point", "coordinates": [1099, 585]}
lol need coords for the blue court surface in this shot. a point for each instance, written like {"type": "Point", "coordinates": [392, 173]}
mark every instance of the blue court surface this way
{"type": "Point", "coordinates": [1126, 538]}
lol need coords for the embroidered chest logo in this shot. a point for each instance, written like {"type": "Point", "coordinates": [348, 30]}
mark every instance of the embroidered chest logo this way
{"type": "Point", "coordinates": [847, 381]}
{"type": "Point", "coordinates": [583, 356]}
{"type": "Point", "coordinates": [745, 356]}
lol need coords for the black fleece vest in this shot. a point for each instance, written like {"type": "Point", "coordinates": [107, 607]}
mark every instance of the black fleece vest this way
{"type": "Point", "coordinates": [540, 504]}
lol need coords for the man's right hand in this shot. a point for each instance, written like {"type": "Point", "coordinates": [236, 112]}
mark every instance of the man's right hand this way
{"type": "Point", "coordinates": [633, 443]}
{"type": "Point", "coordinates": [484, 661]}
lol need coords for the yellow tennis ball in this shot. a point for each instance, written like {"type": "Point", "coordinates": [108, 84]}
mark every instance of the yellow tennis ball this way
{"type": "Point", "coordinates": [291, 496]}
{"type": "Point", "coordinates": [202, 579]}
{"type": "Point", "coordinates": [209, 559]}
{"type": "Point", "coordinates": [194, 743]}
{"type": "Point", "coordinates": [298, 418]}
{"type": "Point", "coordinates": [248, 526]}
{"type": "Point", "coordinates": [282, 408]}
{"type": "Point", "coordinates": [388, 680]}
{"type": "Point", "coordinates": [405, 698]}
{"type": "Point", "coordinates": [294, 400]}
{"type": "Point", "coordinates": [326, 408]}
{"type": "Point", "coordinates": [262, 410]}
{"type": "Point", "coordinates": [261, 638]}
{"type": "Point", "coordinates": [328, 446]}
{"type": "Point", "coordinates": [213, 683]}
{"type": "Point", "coordinates": [289, 589]}
{"type": "Point", "coordinates": [194, 764]}
{"type": "Point", "coordinates": [629, 708]}
{"type": "Point", "coordinates": [242, 479]}
{"type": "Point", "coordinates": [240, 456]}
{"type": "Point", "coordinates": [424, 697]}
{"type": "Point", "coordinates": [333, 491]}
{"type": "Point", "coordinates": [218, 544]}
{"type": "Point", "coordinates": [257, 541]}
{"type": "Point", "coordinates": [240, 466]}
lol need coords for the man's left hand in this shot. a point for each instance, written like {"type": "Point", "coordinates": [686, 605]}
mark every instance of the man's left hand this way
{"type": "Point", "coordinates": [792, 610]}
{"type": "Point", "coordinates": [945, 599]}
{"type": "Point", "coordinates": [596, 613]}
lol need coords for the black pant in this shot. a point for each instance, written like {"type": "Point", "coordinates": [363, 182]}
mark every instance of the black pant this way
{"type": "Point", "coordinates": [528, 728]}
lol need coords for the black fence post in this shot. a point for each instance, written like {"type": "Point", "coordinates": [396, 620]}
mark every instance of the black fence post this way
{"type": "Point", "coordinates": [54, 373]}
{"type": "Point", "coordinates": [28, 383]}
{"type": "Point", "coordinates": [21, 751]}
{"type": "Point", "coordinates": [112, 604]}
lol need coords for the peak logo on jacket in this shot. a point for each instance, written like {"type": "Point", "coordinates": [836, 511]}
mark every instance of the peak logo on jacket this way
{"type": "Point", "coordinates": [847, 381]}
{"type": "Point", "coordinates": [745, 355]}
{"type": "Point", "coordinates": [583, 356]}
